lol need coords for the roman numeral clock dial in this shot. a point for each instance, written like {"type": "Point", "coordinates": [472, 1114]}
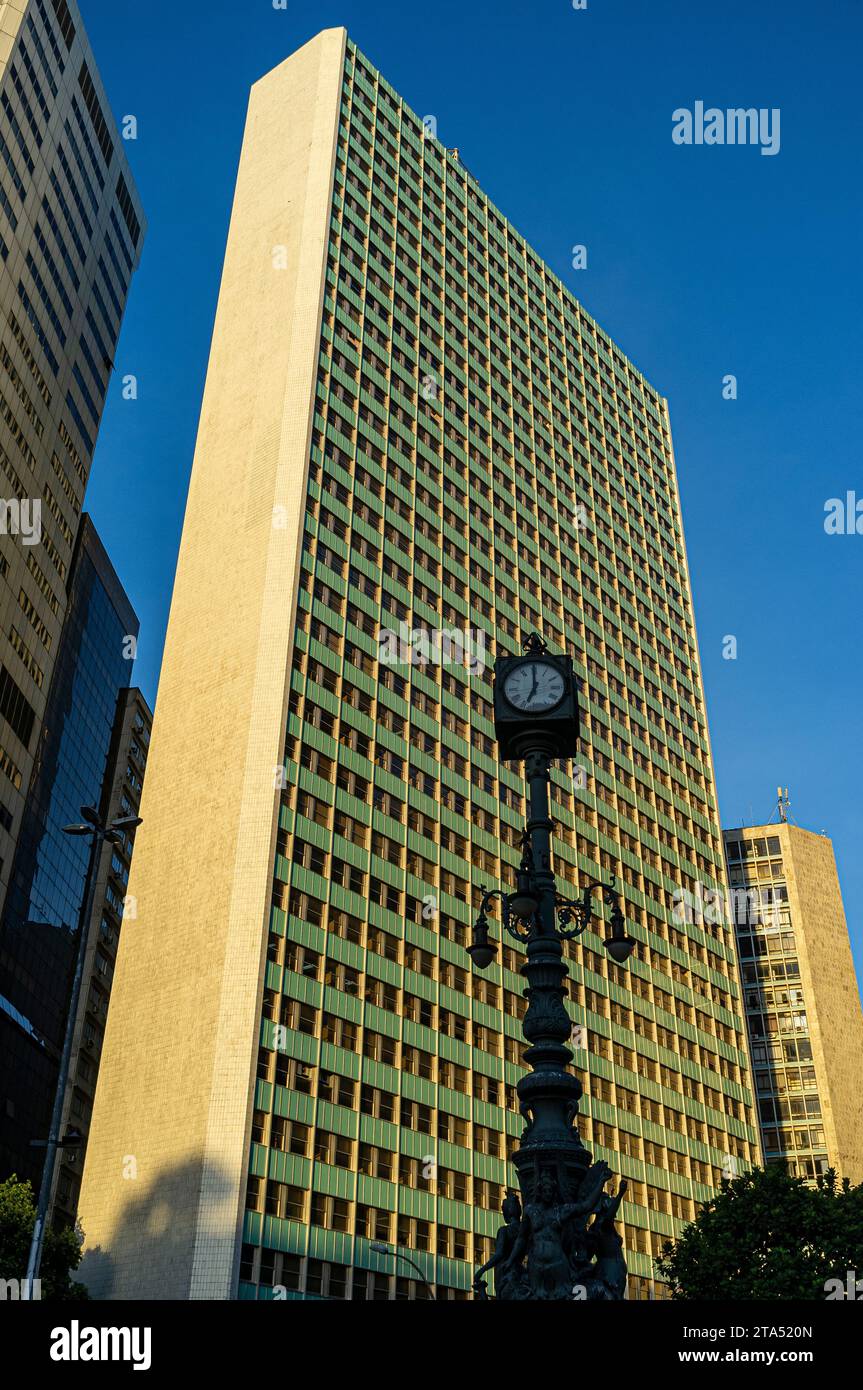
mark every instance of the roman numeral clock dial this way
{"type": "Point", "coordinates": [535, 704]}
{"type": "Point", "coordinates": [535, 686]}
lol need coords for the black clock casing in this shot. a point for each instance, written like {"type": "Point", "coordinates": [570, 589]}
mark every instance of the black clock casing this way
{"type": "Point", "coordinates": [559, 726]}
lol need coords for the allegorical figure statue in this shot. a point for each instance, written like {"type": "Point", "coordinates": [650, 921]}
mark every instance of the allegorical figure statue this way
{"type": "Point", "coordinates": [543, 1238]}
{"type": "Point", "coordinates": [509, 1276]}
{"type": "Point", "coordinates": [546, 1239]}
{"type": "Point", "coordinates": [550, 1252]}
{"type": "Point", "coordinates": [606, 1245]}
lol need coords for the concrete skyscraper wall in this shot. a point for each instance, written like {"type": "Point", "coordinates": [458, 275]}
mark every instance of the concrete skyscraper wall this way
{"type": "Point", "coordinates": [204, 858]}
{"type": "Point", "coordinates": [409, 428]}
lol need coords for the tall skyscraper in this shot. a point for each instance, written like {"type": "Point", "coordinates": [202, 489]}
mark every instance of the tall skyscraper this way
{"type": "Point", "coordinates": [415, 446]}
{"type": "Point", "coordinates": [38, 926]}
{"type": "Point", "coordinates": [70, 237]}
{"type": "Point", "coordinates": [802, 1001]}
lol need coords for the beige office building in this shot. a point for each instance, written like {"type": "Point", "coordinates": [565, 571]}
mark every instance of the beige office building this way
{"type": "Point", "coordinates": [802, 1000]}
{"type": "Point", "coordinates": [409, 425]}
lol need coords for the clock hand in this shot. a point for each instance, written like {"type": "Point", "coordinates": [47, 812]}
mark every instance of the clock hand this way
{"type": "Point", "coordinates": [533, 688]}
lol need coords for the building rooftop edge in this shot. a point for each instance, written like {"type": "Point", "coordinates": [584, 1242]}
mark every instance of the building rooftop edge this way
{"type": "Point", "coordinates": [660, 401]}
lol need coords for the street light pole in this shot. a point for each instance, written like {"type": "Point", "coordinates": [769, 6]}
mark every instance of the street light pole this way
{"type": "Point", "coordinates": [380, 1248]}
{"type": "Point", "coordinates": [547, 1250]}
{"type": "Point", "coordinates": [98, 834]}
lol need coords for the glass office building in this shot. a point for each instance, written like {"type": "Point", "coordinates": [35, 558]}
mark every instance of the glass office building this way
{"type": "Point", "coordinates": [38, 929]}
{"type": "Point", "coordinates": [802, 1000]}
{"type": "Point", "coordinates": [415, 447]}
{"type": "Point", "coordinates": [121, 797]}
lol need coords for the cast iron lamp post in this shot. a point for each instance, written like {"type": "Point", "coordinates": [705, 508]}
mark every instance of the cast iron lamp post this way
{"type": "Point", "coordinates": [548, 1250]}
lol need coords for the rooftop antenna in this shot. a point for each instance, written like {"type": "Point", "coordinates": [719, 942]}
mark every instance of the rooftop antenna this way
{"type": "Point", "coordinates": [782, 804]}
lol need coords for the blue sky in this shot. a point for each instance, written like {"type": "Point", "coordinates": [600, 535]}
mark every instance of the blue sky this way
{"type": "Point", "coordinates": [701, 261]}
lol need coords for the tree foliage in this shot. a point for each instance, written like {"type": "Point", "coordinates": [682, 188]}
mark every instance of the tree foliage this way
{"type": "Point", "coordinates": [768, 1235]}
{"type": "Point", "coordinates": [61, 1252]}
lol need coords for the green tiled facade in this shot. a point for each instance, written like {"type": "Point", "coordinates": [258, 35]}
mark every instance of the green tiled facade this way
{"type": "Point", "coordinates": [483, 457]}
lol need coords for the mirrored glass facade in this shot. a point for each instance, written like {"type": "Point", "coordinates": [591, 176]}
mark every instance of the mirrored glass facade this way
{"type": "Point", "coordinates": [38, 931]}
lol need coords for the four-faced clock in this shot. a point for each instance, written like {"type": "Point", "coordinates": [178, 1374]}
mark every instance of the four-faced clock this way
{"type": "Point", "coordinates": [535, 702]}
{"type": "Point", "coordinates": [535, 687]}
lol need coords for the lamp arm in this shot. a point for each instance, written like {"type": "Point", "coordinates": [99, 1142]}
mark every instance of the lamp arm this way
{"type": "Point", "coordinates": [581, 909]}
{"type": "Point", "coordinates": [569, 909]}
{"type": "Point", "coordinates": [578, 911]}
{"type": "Point", "coordinates": [488, 896]}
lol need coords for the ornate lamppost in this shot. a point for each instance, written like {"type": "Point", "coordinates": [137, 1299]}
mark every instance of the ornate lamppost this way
{"type": "Point", "coordinates": [559, 1241]}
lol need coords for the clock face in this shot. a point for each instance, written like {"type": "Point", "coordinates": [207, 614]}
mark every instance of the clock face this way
{"type": "Point", "coordinates": [535, 687]}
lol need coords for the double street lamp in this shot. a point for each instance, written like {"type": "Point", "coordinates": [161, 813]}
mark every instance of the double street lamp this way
{"type": "Point", "coordinates": [99, 834]}
{"type": "Point", "coordinates": [520, 915]}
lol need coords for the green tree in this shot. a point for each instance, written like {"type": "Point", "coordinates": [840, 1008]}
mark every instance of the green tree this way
{"type": "Point", "coordinates": [768, 1235]}
{"type": "Point", "coordinates": [61, 1252]}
